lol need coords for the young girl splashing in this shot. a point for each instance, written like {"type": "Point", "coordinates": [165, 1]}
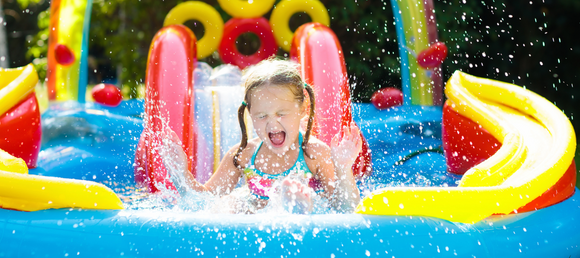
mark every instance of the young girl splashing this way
{"type": "Point", "coordinates": [282, 160]}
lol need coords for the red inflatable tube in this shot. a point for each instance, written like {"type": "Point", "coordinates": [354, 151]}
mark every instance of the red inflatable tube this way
{"type": "Point", "coordinates": [168, 99]}
{"type": "Point", "coordinates": [21, 131]}
{"type": "Point", "coordinates": [318, 51]}
{"type": "Point", "coordinates": [461, 155]}
{"type": "Point", "coordinates": [234, 28]}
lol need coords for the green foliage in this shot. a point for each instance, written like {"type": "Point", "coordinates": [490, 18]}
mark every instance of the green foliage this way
{"type": "Point", "coordinates": [38, 47]}
{"type": "Point", "coordinates": [21, 27]}
{"type": "Point", "coordinates": [368, 38]}
{"type": "Point", "coordinates": [122, 32]}
{"type": "Point", "coordinates": [25, 3]}
{"type": "Point", "coordinates": [527, 43]}
{"type": "Point", "coordinates": [524, 42]}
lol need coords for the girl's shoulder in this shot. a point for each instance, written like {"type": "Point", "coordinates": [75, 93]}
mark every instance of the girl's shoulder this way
{"type": "Point", "coordinates": [247, 152]}
{"type": "Point", "coordinates": [253, 145]}
{"type": "Point", "coordinates": [317, 156]}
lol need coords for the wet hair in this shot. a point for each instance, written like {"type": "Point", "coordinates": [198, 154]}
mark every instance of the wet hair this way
{"type": "Point", "coordinates": [274, 72]}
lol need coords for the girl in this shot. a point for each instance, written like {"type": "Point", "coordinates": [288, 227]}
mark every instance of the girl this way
{"type": "Point", "coordinates": [281, 155]}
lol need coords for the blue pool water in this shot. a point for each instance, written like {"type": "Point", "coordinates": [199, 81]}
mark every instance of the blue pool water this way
{"type": "Point", "coordinates": [97, 143]}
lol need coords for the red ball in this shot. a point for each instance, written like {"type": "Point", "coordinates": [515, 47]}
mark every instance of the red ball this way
{"type": "Point", "coordinates": [433, 56]}
{"type": "Point", "coordinates": [63, 55]}
{"type": "Point", "coordinates": [387, 97]}
{"type": "Point", "coordinates": [107, 94]}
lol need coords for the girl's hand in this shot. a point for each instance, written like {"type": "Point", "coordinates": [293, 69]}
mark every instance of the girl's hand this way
{"type": "Point", "coordinates": [345, 147]}
{"type": "Point", "coordinates": [174, 159]}
{"type": "Point", "coordinates": [296, 196]}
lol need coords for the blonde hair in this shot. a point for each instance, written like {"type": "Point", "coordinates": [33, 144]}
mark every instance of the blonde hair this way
{"type": "Point", "coordinates": [277, 73]}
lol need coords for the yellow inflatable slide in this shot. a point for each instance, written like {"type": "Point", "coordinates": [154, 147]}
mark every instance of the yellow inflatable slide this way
{"type": "Point", "coordinates": [538, 146]}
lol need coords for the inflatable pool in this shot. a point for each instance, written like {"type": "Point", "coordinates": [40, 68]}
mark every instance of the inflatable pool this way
{"type": "Point", "coordinates": [489, 174]}
{"type": "Point", "coordinates": [95, 143]}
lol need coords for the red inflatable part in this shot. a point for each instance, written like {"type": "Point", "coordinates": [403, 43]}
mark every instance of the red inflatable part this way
{"type": "Point", "coordinates": [107, 94]}
{"type": "Point", "coordinates": [63, 55]}
{"type": "Point", "coordinates": [563, 189]}
{"type": "Point", "coordinates": [465, 142]}
{"type": "Point", "coordinates": [237, 26]}
{"type": "Point", "coordinates": [141, 177]}
{"type": "Point", "coordinates": [168, 101]}
{"type": "Point", "coordinates": [21, 131]}
{"type": "Point", "coordinates": [386, 98]}
{"type": "Point", "coordinates": [318, 51]}
{"type": "Point", "coordinates": [433, 56]}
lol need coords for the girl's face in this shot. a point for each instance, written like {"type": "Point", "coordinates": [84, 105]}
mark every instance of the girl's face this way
{"type": "Point", "coordinates": [276, 117]}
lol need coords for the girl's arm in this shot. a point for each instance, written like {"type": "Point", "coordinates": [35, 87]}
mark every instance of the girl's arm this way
{"type": "Point", "coordinates": [222, 181]}
{"type": "Point", "coordinates": [226, 177]}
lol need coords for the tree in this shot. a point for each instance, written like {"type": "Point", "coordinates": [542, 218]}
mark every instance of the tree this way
{"type": "Point", "coordinates": [3, 42]}
{"type": "Point", "coordinates": [527, 43]}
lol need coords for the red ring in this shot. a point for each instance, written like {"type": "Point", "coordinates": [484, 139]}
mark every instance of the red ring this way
{"type": "Point", "coordinates": [237, 26]}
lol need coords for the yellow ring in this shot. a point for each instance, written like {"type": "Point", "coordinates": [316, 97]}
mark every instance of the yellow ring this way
{"type": "Point", "coordinates": [244, 9]}
{"type": "Point", "coordinates": [285, 9]}
{"type": "Point", "coordinates": [207, 15]}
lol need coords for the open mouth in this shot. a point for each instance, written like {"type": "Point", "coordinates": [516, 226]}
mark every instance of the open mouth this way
{"type": "Point", "coordinates": [277, 138]}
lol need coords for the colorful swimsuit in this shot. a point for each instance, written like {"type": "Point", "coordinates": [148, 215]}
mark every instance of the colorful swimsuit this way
{"type": "Point", "coordinates": [261, 184]}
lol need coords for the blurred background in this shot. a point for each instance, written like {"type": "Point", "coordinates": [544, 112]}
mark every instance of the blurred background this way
{"type": "Point", "coordinates": [531, 43]}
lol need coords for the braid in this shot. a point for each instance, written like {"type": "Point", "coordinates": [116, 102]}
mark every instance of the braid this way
{"type": "Point", "coordinates": [244, 142]}
{"type": "Point", "coordinates": [310, 115]}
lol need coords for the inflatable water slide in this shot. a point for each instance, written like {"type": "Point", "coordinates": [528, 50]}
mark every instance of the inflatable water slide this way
{"type": "Point", "coordinates": [488, 174]}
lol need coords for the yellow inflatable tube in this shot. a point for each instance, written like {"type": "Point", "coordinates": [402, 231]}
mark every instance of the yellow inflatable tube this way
{"type": "Point", "coordinates": [12, 164]}
{"type": "Point", "coordinates": [283, 12]}
{"type": "Point", "coordinates": [15, 84]}
{"type": "Point", "coordinates": [245, 9]}
{"type": "Point", "coordinates": [208, 16]}
{"type": "Point", "coordinates": [20, 191]}
{"type": "Point", "coordinates": [525, 166]}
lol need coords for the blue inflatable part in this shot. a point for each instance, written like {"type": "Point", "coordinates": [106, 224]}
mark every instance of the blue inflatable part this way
{"type": "Point", "coordinates": [403, 53]}
{"type": "Point", "coordinates": [89, 141]}
{"type": "Point", "coordinates": [550, 232]}
{"type": "Point", "coordinates": [406, 146]}
{"type": "Point", "coordinates": [92, 142]}
{"type": "Point", "coordinates": [84, 60]}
